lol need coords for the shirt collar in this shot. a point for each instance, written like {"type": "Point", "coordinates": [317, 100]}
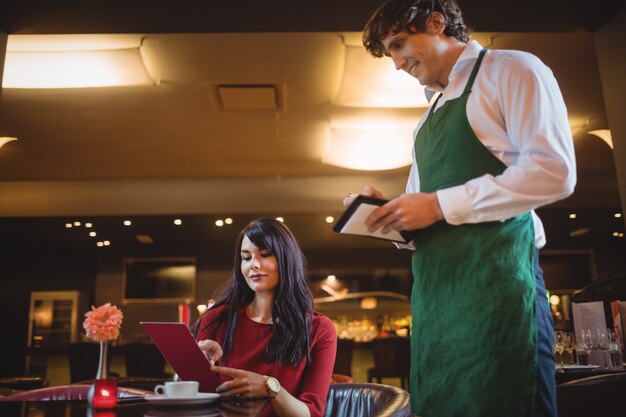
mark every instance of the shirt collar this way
{"type": "Point", "coordinates": [464, 64]}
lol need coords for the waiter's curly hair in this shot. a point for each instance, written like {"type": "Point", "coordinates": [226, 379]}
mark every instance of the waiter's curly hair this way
{"type": "Point", "coordinates": [411, 16]}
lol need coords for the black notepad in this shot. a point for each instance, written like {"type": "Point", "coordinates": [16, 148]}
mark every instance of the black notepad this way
{"type": "Point", "coordinates": [352, 221]}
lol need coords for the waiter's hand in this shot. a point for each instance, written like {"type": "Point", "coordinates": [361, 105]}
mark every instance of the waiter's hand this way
{"type": "Point", "coordinates": [368, 191]}
{"type": "Point", "coordinates": [407, 212]}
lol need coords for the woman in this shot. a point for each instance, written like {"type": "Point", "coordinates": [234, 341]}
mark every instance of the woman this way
{"type": "Point", "coordinates": [263, 331]}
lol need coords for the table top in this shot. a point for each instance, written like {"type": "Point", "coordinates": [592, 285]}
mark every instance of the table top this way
{"type": "Point", "coordinates": [132, 408]}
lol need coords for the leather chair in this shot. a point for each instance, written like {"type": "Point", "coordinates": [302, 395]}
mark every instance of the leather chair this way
{"type": "Point", "coordinates": [392, 359]}
{"type": "Point", "coordinates": [70, 392]}
{"type": "Point", "coordinates": [597, 396]}
{"type": "Point", "coordinates": [341, 379]}
{"type": "Point", "coordinates": [367, 400]}
{"type": "Point", "coordinates": [23, 382]}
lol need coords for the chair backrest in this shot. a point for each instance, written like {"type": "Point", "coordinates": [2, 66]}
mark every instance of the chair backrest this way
{"type": "Point", "coordinates": [144, 359]}
{"type": "Point", "coordinates": [343, 360]}
{"type": "Point", "coordinates": [69, 392]}
{"type": "Point", "coordinates": [597, 396]}
{"type": "Point", "coordinates": [392, 355]}
{"type": "Point", "coordinates": [367, 400]}
{"type": "Point", "coordinates": [83, 359]}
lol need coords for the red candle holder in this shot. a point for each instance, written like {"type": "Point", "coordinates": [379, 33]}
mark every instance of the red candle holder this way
{"type": "Point", "coordinates": [105, 393]}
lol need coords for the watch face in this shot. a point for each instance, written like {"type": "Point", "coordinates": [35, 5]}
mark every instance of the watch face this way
{"type": "Point", "coordinates": [273, 384]}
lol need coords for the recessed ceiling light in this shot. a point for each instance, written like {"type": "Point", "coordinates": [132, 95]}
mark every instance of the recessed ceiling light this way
{"type": "Point", "coordinates": [617, 215]}
{"type": "Point", "coordinates": [92, 234]}
{"type": "Point", "coordinates": [572, 216]}
{"type": "Point", "coordinates": [99, 244]}
{"type": "Point", "coordinates": [127, 223]}
{"type": "Point", "coordinates": [219, 223]}
{"type": "Point", "coordinates": [330, 219]}
{"type": "Point", "coordinates": [76, 223]}
{"type": "Point", "coordinates": [178, 222]}
{"type": "Point", "coordinates": [228, 220]}
{"type": "Point", "coordinates": [106, 243]}
{"type": "Point", "coordinates": [88, 225]}
{"type": "Point", "coordinates": [69, 225]}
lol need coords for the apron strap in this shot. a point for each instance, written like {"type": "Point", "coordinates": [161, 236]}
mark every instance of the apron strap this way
{"type": "Point", "coordinates": [470, 81]}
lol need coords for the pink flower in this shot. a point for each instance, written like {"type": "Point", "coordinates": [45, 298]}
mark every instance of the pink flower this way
{"type": "Point", "coordinates": [103, 323]}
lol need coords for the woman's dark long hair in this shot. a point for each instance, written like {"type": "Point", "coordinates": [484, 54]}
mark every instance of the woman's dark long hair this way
{"type": "Point", "coordinates": [292, 309]}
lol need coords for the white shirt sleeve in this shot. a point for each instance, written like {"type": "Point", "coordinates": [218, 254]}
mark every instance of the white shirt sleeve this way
{"type": "Point", "coordinates": [541, 166]}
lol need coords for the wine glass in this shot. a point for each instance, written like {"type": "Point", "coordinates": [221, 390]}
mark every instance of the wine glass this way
{"type": "Point", "coordinates": [569, 346]}
{"type": "Point", "coordinates": [559, 344]}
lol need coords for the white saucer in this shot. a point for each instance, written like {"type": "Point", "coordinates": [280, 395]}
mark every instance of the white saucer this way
{"type": "Point", "coordinates": [200, 398]}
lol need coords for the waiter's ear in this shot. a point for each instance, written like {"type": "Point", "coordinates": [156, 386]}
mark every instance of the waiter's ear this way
{"type": "Point", "coordinates": [436, 24]}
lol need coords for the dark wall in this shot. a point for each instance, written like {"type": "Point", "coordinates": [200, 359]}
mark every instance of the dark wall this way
{"type": "Point", "coordinates": [36, 269]}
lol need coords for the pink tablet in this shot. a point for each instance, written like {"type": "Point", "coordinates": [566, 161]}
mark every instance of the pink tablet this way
{"type": "Point", "coordinates": [181, 351]}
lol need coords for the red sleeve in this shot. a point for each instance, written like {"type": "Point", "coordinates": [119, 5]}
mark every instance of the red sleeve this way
{"type": "Point", "coordinates": [318, 375]}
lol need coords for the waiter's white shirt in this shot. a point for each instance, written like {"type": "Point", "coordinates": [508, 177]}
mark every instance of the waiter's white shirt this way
{"type": "Point", "coordinates": [517, 111]}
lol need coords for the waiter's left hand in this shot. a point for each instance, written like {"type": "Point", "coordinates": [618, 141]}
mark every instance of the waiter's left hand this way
{"type": "Point", "coordinates": [406, 212]}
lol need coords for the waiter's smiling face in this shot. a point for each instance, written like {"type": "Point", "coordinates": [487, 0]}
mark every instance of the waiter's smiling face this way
{"type": "Point", "coordinates": [420, 53]}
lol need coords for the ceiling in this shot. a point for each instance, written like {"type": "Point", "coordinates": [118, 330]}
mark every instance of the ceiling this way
{"type": "Point", "coordinates": [171, 149]}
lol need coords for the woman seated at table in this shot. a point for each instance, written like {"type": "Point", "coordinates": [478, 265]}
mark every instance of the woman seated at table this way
{"type": "Point", "coordinates": [263, 332]}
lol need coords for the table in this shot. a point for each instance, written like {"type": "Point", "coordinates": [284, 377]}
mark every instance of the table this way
{"type": "Point", "coordinates": [131, 408]}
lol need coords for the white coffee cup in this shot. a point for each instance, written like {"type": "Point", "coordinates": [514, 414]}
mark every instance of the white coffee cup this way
{"type": "Point", "coordinates": [178, 389]}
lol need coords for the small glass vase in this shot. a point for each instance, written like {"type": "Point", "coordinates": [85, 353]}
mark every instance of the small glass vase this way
{"type": "Point", "coordinates": [103, 390]}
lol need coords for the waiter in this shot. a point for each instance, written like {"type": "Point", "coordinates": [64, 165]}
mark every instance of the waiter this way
{"type": "Point", "coordinates": [495, 145]}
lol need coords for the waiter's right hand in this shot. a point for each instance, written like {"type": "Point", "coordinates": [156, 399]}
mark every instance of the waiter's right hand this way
{"type": "Point", "coordinates": [211, 349]}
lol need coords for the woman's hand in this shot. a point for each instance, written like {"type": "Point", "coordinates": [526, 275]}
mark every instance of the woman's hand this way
{"type": "Point", "coordinates": [244, 384]}
{"type": "Point", "coordinates": [212, 350]}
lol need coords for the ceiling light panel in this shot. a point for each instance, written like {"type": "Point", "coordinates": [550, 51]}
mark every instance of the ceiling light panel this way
{"type": "Point", "coordinates": [73, 62]}
{"type": "Point", "coordinates": [369, 82]}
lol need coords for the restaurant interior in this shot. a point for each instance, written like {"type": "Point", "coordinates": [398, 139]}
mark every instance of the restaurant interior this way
{"type": "Point", "coordinates": [225, 112]}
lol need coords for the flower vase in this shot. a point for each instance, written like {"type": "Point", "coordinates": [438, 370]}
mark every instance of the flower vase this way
{"type": "Point", "coordinates": [103, 390]}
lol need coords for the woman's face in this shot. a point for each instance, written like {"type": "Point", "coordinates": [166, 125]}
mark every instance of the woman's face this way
{"type": "Point", "coordinates": [259, 267]}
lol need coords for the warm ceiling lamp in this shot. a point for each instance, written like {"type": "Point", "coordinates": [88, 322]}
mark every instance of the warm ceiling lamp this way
{"type": "Point", "coordinates": [371, 82]}
{"type": "Point", "coordinates": [604, 134]}
{"type": "Point", "coordinates": [370, 148]}
{"type": "Point", "coordinates": [74, 61]}
{"type": "Point", "coordinates": [6, 139]}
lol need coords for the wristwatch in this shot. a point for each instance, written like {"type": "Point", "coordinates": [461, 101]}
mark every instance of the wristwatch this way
{"type": "Point", "coordinates": [272, 386]}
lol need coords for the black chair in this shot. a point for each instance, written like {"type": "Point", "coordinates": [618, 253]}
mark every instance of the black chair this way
{"type": "Point", "coordinates": [343, 360]}
{"type": "Point", "coordinates": [595, 396]}
{"type": "Point", "coordinates": [367, 400]}
{"type": "Point", "coordinates": [392, 359]}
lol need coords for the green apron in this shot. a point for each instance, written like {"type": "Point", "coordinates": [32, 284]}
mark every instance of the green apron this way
{"type": "Point", "coordinates": [473, 343]}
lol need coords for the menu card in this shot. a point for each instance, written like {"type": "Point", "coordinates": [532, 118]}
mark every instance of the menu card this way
{"type": "Point", "coordinates": [352, 221]}
{"type": "Point", "coordinates": [588, 316]}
